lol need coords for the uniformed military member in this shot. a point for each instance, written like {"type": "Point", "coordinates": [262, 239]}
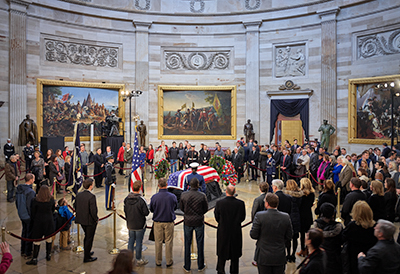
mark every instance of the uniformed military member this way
{"type": "Point", "coordinates": [202, 183]}
{"type": "Point", "coordinates": [28, 153]}
{"type": "Point", "coordinates": [110, 181]}
{"type": "Point", "coordinates": [9, 150]}
{"type": "Point", "coordinates": [192, 156]}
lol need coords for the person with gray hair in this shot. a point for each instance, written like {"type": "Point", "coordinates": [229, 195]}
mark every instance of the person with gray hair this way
{"type": "Point", "coordinates": [11, 171]}
{"type": "Point", "coordinates": [384, 256]}
{"type": "Point", "coordinates": [285, 202]}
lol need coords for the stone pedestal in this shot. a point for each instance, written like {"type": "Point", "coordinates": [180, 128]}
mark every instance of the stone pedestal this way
{"type": "Point", "coordinates": [252, 77]}
{"type": "Point", "coordinates": [17, 59]}
{"type": "Point", "coordinates": [328, 69]}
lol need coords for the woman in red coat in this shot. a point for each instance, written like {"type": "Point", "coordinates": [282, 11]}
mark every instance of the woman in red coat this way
{"type": "Point", "coordinates": [150, 157]}
{"type": "Point", "coordinates": [120, 158]}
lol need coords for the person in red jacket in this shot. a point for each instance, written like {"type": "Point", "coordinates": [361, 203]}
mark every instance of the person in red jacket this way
{"type": "Point", "coordinates": [150, 157]}
{"type": "Point", "coordinates": [120, 158]}
{"type": "Point", "coordinates": [65, 152]}
{"type": "Point", "coordinates": [7, 257]}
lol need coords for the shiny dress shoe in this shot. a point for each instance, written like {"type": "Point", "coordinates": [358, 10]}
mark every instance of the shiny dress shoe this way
{"type": "Point", "coordinates": [91, 259]}
{"type": "Point", "coordinates": [91, 253]}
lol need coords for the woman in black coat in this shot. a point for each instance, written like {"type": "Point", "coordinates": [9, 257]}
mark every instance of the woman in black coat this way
{"type": "Point", "coordinates": [377, 200]}
{"type": "Point", "coordinates": [263, 162]}
{"type": "Point", "coordinates": [47, 159]}
{"type": "Point", "coordinates": [327, 196]}
{"type": "Point", "coordinates": [306, 218]}
{"type": "Point", "coordinates": [390, 199]}
{"type": "Point", "coordinates": [42, 222]}
{"type": "Point", "coordinates": [358, 235]}
{"type": "Point", "coordinates": [296, 195]}
{"type": "Point", "coordinates": [98, 160]}
{"type": "Point", "coordinates": [314, 264]}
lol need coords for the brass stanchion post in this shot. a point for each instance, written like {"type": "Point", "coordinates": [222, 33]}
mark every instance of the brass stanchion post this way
{"type": "Point", "coordinates": [115, 250]}
{"type": "Point", "coordinates": [3, 234]}
{"type": "Point", "coordinates": [279, 172]}
{"type": "Point", "coordinates": [193, 255]}
{"type": "Point", "coordinates": [54, 189]}
{"type": "Point", "coordinates": [78, 248]}
{"type": "Point", "coordinates": [339, 218]}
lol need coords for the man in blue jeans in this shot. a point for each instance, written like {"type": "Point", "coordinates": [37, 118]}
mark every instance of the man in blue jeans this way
{"type": "Point", "coordinates": [194, 205]}
{"type": "Point", "coordinates": [173, 157]}
{"type": "Point", "coordinates": [136, 210]}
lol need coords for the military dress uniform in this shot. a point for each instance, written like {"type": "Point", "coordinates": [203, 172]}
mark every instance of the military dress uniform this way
{"type": "Point", "coordinates": [192, 157]}
{"type": "Point", "coordinates": [271, 171]}
{"type": "Point", "coordinates": [9, 150]}
{"type": "Point", "coordinates": [28, 153]}
{"type": "Point", "coordinates": [110, 184]}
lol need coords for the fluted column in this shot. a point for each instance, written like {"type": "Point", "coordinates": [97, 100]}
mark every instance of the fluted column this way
{"type": "Point", "coordinates": [252, 76]}
{"type": "Point", "coordinates": [17, 59]}
{"type": "Point", "coordinates": [142, 71]}
{"type": "Point", "coordinates": [328, 69]}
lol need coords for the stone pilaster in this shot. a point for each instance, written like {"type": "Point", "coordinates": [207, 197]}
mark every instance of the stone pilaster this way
{"type": "Point", "coordinates": [252, 76]}
{"type": "Point", "coordinates": [17, 63]}
{"type": "Point", "coordinates": [328, 69]}
{"type": "Point", "coordinates": [142, 71]}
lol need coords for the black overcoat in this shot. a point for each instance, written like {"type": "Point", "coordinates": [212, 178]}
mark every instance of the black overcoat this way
{"type": "Point", "coordinates": [42, 218]}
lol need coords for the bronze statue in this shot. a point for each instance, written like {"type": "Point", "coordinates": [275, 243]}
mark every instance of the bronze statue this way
{"type": "Point", "coordinates": [27, 132]}
{"type": "Point", "coordinates": [141, 128]}
{"type": "Point", "coordinates": [248, 131]}
{"type": "Point", "coordinates": [327, 130]}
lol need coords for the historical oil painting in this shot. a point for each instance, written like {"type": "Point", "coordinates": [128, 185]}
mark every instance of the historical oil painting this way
{"type": "Point", "coordinates": [197, 112]}
{"type": "Point", "coordinates": [370, 114]}
{"type": "Point", "coordinates": [62, 101]}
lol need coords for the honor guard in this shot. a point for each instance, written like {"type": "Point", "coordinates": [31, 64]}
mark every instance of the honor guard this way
{"type": "Point", "coordinates": [194, 174]}
{"type": "Point", "coordinates": [192, 156]}
{"type": "Point", "coordinates": [110, 181]}
{"type": "Point", "coordinates": [28, 153]}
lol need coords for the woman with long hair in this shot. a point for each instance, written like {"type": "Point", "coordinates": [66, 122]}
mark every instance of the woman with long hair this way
{"type": "Point", "coordinates": [314, 263]}
{"type": "Point", "coordinates": [228, 155]}
{"type": "Point", "coordinates": [364, 165]}
{"type": "Point", "coordinates": [123, 263]}
{"type": "Point", "coordinates": [326, 196]}
{"type": "Point", "coordinates": [38, 169]}
{"type": "Point", "coordinates": [42, 209]}
{"type": "Point", "coordinates": [47, 159]}
{"type": "Point", "coordinates": [359, 234]}
{"type": "Point", "coordinates": [337, 168]}
{"type": "Point", "coordinates": [150, 157]}
{"type": "Point", "coordinates": [306, 218]}
{"type": "Point", "coordinates": [295, 195]}
{"type": "Point", "coordinates": [390, 199]}
{"type": "Point", "coordinates": [377, 200]}
{"type": "Point", "coordinates": [54, 171]}
{"type": "Point", "coordinates": [324, 168]}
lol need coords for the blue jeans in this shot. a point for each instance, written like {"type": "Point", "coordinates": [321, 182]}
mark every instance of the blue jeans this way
{"type": "Point", "coordinates": [10, 190]}
{"type": "Point", "coordinates": [188, 233]}
{"type": "Point", "coordinates": [173, 165]}
{"type": "Point", "coordinates": [136, 236]}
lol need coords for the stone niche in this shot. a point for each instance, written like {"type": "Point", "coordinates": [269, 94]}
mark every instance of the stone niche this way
{"type": "Point", "coordinates": [290, 60]}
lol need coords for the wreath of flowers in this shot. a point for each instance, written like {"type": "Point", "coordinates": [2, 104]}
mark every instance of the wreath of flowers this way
{"type": "Point", "coordinates": [217, 163]}
{"type": "Point", "coordinates": [229, 176]}
{"type": "Point", "coordinates": [161, 169]}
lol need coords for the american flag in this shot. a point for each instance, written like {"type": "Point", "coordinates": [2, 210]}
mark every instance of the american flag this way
{"type": "Point", "coordinates": [76, 168]}
{"type": "Point", "coordinates": [136, 161]}
{"type": "Point", "coordinates": [177, 179]}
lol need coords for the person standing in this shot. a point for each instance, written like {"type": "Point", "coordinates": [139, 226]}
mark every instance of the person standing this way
{"type": "Point", "coordinates": [163, 205]}
{"type": "Point", "coordinates": [237, 162]}
{"type": "Point", "coordinates": [229, 214]}
{"type": "Point", "coordinates": [354, 196]}
{"type": "Point", "coordinates": [136, 210]}
{"type": "Point", "coordinates": [150, 157]}
{"type": "Point", "coordinates": [23, 201]}
{"type": "Point", "coordinates": [86, 216]}
{"type": "Point", "coordinates": [9, 150]}
{"type": "Point", "coordinates": [120, 158]}
{"type": "Point", "coordinates": [259, 203]}
{"type": "Point", "coordinates": [98, 160]}
{"type": "Point", "coordinates": [285, 201]}
{"type": "Point", "coordinates": [84, 159]}
{"type": "Point", "coordinates": [285, 165]}
{"type": "Point", "coordinates": [173, 157]}
{"type": "Point", "coordinates": [110, 182]}
{"type": "Point", "coordinates": [194, 174]}
{"type": "Point", "coordinates": [192, 156]}
{"type": "Point", "coordinates": [270, 168]}
{"type": "Point", "coordinates": [272, 229]}
{"type": "Point", "coordinates": [194, 205]}
{"type": "Point", "coordinates": [205, 156]}
{"type": "Point", "coordinates": [253, 158]}
{"type": "Point", "coordinates": [12, 178]}
{"type": "Point", "coordinates": [38, 168]}
{"type": "Point", "coordinates": [28, 153]}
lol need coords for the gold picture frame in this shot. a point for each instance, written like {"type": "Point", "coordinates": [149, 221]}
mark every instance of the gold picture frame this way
{"type": "Point", "coordinates": [357, 109]}
{"type": "Point", "coordinates": [40, 83]}
{"type": "Point", "coordinates": [219, 116]}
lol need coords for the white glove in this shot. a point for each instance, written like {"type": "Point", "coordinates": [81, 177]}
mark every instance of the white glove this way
{"type": "Point", "coordinates": [113, 185]}
{"type": "Point", "coordinates": [273, 176]}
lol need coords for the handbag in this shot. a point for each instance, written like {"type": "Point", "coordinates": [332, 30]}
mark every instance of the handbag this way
{"type": "Point", "coordinates": [61, 177]}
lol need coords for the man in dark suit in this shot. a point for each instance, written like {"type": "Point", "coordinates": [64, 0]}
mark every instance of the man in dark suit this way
{"type": "Point", "coordinates": [276, 154]}
{"type": "Point", "coordinates": [205, 156]}
{"type": "Point", "coordinates": [286, 161]}
{"type": "Point", "coordinates": [253, 159]}
{"type": "Point", "coordinates": [285, 202]}
{"type": "Point", "coordinates": [272, 229]}
{"type": "Point", "coordinates": [386, 150]}
{"type": "Point", "coordinates": [237, 161]}
{"type": "Point", "coordinates": [229, 214]}
{"type": "Point", "coordinates": [294, 146]}
{"type": "Point", "coordinates": [86, 216]}
{"type": "Point", "coordinates": [354, 196]}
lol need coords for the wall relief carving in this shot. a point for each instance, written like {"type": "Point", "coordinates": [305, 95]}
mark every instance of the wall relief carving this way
{"type": "Point", "coordinates": [197, 6]}
{"type": "Point", "coordinates": [139, 4]}
{"type": "Point", "coordinates": [378, 44]}
{"type": "Point", "coordinates": [80, 54]}
{"type": "Point", "coordinates": [252, 4]}
{"type": "Point", "coordinates": [196, 60]}
{"type": "Point", "coordinates": [290, 60]}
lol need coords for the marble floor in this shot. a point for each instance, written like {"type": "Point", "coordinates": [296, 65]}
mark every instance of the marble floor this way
{"type": "Point", "coordinates": [72, 262]}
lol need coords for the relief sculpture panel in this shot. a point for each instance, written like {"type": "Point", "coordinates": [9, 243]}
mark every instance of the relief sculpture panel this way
{"type": "Point", "coordinates": [378, 44]}
{"type": "Point", "coordinates": [196, 60]}
{"type": "Point", "coordinates": [290, 60]}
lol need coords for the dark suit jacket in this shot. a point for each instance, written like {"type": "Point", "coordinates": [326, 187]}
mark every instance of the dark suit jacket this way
{"type": "Point", "coordinates": [237, 161]}
{"type": "Point", "coordinates": [254, 157]}
{"type": "Point", "coordinates": [272, 229]}
{"type": "Point", "coordinates": [285, 202]}
{"type": "Point", "coordinates": [204, 156]}
{"type": "Point", "coordinates": [86, 208]}
{"type": "Point", "coordinates": [385, 152]}
{"type": "Point", "coordinates": [348, 203]}
{"type": "Point", "coordinates": [288, 161]}
{"type": "Point", "coordinates": [381, 258]}
{"type": "Point", "coordinates": [277, 157]}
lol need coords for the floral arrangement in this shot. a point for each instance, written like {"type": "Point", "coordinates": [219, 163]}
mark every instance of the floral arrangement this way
{"type": "Point", "coordinates": [229, 176]}
{"type": "Point", "coordinates": [217, 163]}
{"type": "Point", "coordinates": [161, 169]}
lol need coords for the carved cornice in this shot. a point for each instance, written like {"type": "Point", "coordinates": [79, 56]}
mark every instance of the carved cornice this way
{"type": "Point", "coordinates": [142, 26]}
{"type": "Point", "coordinates": [328, 14]}
{"type": "Point", "coordinates": [256, 6]}
{"type": "Point", "coordinates": [252, 26]}
{"type": "Point", "coordinates": [378, 44]}
{"type": "Point", "coordinates": [19, 6]}
{"type": "Point", "coordinates": [196, 60]}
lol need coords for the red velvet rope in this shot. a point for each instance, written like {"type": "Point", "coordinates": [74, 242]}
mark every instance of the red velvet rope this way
{"type": "Point", "coordinates": [93, 175]}
{"type": "Point", "coordinates": [2, 175]}
{"type": "Point", "coordinates": [105, 217]}
{"type": "Point", "coordinates": [315, 180]}
{"type": "Point", "coordinates": [295, 176]}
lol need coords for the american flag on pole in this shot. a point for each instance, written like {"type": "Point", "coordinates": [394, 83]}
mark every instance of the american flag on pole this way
{"type": "Point", "coordinates": [136, 161]}
{"type": "Point", "coordinates": [75, 173]}
{"type": "Point", "coordinates": [177, 179]}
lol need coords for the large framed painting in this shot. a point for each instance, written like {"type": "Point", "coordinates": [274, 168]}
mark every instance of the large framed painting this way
{"type": "Point", "coordinates": [370, 110]}
{"type": "Point", "coordinates": [59, 102]}
{"type": "Point", "coordinates": [196, 112]}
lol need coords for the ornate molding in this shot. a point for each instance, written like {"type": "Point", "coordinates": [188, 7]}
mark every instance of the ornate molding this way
{"type": "Point", "coordinates": [290, 60]}
{"type": "Point", "coordinates": [378, 44]}
{"type": "Point", "coordinates": [139, 7]}
{"type": "Point", "coordinates": [197, 60]}
{"type": "Point", "coordinates": [256, 6]}
{"type": "Point", "coordinates": [193, 6]}
{"type": "Point", "coordinates": [80, 53]}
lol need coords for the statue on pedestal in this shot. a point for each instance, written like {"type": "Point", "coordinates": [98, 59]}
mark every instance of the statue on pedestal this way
{"type": "Point", "coordinates": [327, 130]}
{"type": "Point", "coordinates": [141, 128]}
{"type": "Point", "coordinates": [248, 131]}
{"type": "Point", "coordinates": [27, 132]}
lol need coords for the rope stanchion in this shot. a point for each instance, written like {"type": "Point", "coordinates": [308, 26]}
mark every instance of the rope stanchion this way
{"type": "Point", "coordinates": [94, 174]}
{"type": "Point", "coordinates": [2, 175]}
{"type": "Point", "coordinates": [3, 234]}
{"type": "Point", "coordinates": [295, 176]}
{"type": "Point", "coordinates": [115, 250]}
{"type": "Point", "coordinates": [78, 248]}
{"type": "Point", "coordinates": [42, 239]}
{"type": "Point", "coordinates": [105, 217]}
{"type": "Point", "coordinates": [315, 180]}
{"type": "Point", "coordinates": [210, 225]}
{"type": "Point", "coordinates": [246, 224]}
